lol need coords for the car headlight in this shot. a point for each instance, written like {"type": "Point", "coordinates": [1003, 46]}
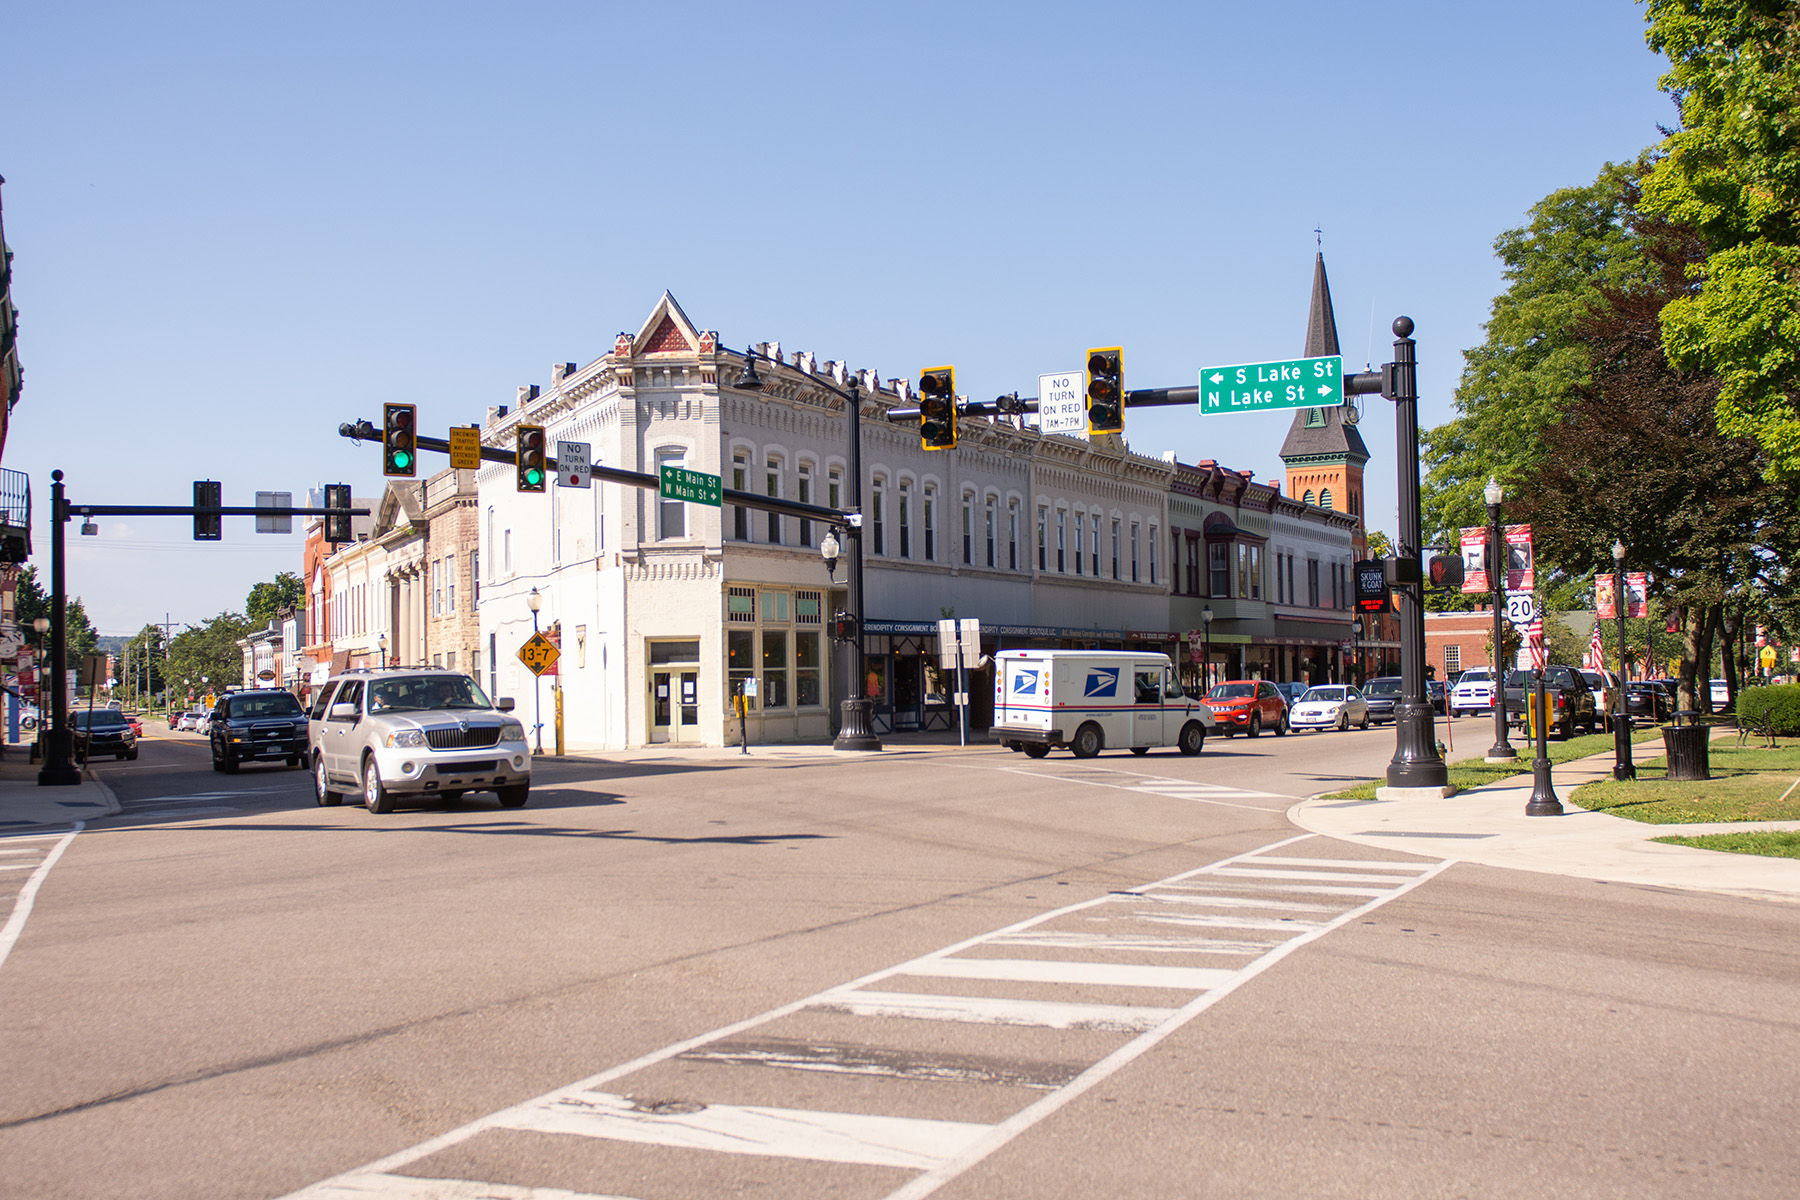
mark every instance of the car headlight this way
{"type": "Point", "coordinates": [405, 739]}
{"type": "Point", "coordinates": [512, 731]}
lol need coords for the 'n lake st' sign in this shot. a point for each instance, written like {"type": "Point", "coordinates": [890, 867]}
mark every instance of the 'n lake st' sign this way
{"type": "Point", "coordinates": [1259, 387]}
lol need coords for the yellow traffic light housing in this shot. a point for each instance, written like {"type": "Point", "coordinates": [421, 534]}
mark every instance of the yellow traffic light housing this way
{"type": "Point", "coordinates": [399, 449]}
{"type": "Point", "coordinates": [1106, 390]}
{"type": "Point", "coordinates": [534, 471]}
{"type": "Point", "coordinates": [937, 408]}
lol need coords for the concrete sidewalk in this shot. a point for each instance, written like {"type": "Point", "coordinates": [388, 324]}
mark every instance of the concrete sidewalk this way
{"type": "Point", "coordinates": [26, 807]}
{"type": "Point", "coordinates": [1488, 825]}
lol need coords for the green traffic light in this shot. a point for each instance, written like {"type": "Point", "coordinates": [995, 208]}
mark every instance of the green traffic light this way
{"type": "Point", "coordinates": [402, 459]}
{"type": "Point", "coordinates": [533, 476]}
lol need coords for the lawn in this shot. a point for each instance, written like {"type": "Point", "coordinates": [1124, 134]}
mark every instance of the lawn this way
{"type": "Point", "coordinates": [1775, 845]}
{"type": "Point", "coordinates": [1475, 772]}
{"type": "Point", "coordinates": [1749, 783]}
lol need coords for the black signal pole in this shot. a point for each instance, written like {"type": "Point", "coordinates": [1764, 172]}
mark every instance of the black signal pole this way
{"type": "Point", "coordinates": [58, 769]}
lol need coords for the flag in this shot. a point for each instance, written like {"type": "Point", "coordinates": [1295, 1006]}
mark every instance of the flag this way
{"type": "Point", "coordinates": [1596, 655]}
{"type": "Point", "coordinates": [1534, 638]}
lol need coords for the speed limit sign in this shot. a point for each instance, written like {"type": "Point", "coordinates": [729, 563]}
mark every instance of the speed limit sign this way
{"type": "Point", "coordinates": [1521, 607]}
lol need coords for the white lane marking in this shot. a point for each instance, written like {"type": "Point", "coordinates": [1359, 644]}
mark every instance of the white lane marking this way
{"type": "Point", "coordinates": [1204, 900]}
{"type": "Point", "coordinates": [15, 923]}
{"type": "Point", "coordinates": [1281, 924]}
{"type": "Point", "coordinates": [18, 866]}
{"type": "Point", "coordinates": [1194, 791]}
{"type": "Point", "coordinates": [30, 851]}
{"type": "Point", "coordinates": [407, 1187]}
{"type": "Point", "coordinates": [1143, 944]}
{"type": "Point", "coordinates": [1039, 779]}
{"type": "Point", "coordinates": [1037, 1111]}
{"type": "Point", "coordinates": [994, 1010]}
{"type": "Point", "coordinates": [1325, 876]}
{"type": "Point", "coordinates": [1038, 970]}
{"type": "Point", "coordinates": [1352, 864]}
{"type": "Point", "coordinates": [195, 796]}
{"type": "Point", "coordinates": [178, 813]}
{"type": "Point", "coordinates": [910, 1142]}
{"type": "Point", "coordinates": [1310, 889]}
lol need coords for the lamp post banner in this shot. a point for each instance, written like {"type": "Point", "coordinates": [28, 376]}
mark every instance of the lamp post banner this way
{"type": "Point", "coordinates": [1520, 575]}
{"type": "Point", "coordinates": [1637, 595]}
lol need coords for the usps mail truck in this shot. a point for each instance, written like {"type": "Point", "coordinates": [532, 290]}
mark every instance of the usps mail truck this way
{"type": "Point", "coordinates": [1093, 700]}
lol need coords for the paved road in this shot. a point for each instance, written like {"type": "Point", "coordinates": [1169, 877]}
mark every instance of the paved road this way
{"type": "Point", "coordinates": [954, 973]}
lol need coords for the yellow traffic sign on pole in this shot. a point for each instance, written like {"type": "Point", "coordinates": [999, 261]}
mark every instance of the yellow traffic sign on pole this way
{"type": "Point", "coordinates": [539, 653]}
{"type": "Point", "coordinates": [465, 447]}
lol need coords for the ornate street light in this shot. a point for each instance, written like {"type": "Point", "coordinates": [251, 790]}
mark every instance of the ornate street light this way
{"type": "Point", "coordinates": [382, 643]}
{"type": "Point", "coordinates": [535, 602]}
{"type": "Point", "coordinates": [828, 550]}
{"type": "Point", "coordinates": [854, 727]}
{"type": "Point", "coordinates": [1206, 615]}
{"type": "Point", "coordinates": [1622, 768]}
{"type": "Point", "coordinates": [1501, 750]}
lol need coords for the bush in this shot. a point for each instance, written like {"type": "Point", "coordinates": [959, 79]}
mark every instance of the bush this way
{"type": "Point", "coordinates": [1781, 704]}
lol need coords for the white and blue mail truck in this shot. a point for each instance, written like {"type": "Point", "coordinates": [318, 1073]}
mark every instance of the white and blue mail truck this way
{"type": "Point", "coordinates": [1093, 700]}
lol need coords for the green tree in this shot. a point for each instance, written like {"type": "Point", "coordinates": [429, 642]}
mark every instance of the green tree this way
{"type": "Point", "coordinates": [1732, 172]}
{"type": "Point", "coordinates": [30, 602]}
{"type": "Point", "coordinates": [266, 600]}
{"type": "Point", "coordinates": [210, 651]}
{"type": "Point", "coordinates": [142, 667]}
{"type": "Point", "coordinates": [1520, 378]}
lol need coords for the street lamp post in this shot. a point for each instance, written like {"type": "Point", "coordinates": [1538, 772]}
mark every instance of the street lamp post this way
{"type": "Point", "coordinates": [854, 731]}
{"type": "Point", "coordinates": [1501, 750]}
{"type": "Point", "coordinates": [535, 602]}
{"type": "Point", "coordinates": [1356, 671]}
{"type": "Point", "coordinates": [1206, 639]}
{"type": "Point", "coordinates": [381, 642]}
{"type": "Point", "coordinates": [1622, 768]}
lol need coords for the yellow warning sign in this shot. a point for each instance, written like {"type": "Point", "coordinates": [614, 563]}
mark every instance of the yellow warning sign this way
{"type": "Point", "coordinates": [539, 653]}
{"type": "Point", "coordinates": [465, 447]}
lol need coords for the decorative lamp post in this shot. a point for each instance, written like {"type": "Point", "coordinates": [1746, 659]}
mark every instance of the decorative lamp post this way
{"type": "Point", "coordinates": [1501, 750]}
{"type": "Point", "coordinates": [1356, 630]}
{"type": "Point", "coordinates": [382, 643]}
{"type": "Point", "coordinates": [854, 728]}
{"type": "Point", "coordinates": [1622, 768]}
{"type": "Point", "coordinates": [828, 550]}
{"type": "Point", "coordinates": [535, 602]}
{"type": "Point", "coordinates": [1206, 638]}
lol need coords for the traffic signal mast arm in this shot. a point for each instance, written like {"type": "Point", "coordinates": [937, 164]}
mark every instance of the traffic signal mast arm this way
{"type": "Point", "coordinates": [1007, 406]}
{"type": "Point", "coordinates": [363, 431]}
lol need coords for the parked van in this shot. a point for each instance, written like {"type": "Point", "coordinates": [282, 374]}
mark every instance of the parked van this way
{"type": "Point", "coordinates": [1093, 700]}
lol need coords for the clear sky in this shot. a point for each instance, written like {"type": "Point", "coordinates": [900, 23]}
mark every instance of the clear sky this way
{"type": "Point", "coordinates": [237, 225]}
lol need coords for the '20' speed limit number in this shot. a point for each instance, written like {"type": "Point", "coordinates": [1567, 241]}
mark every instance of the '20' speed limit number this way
{"type": "Point", "coordinates": [1521, 607]}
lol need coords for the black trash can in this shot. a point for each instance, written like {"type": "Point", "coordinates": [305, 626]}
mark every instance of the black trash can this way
{"type": "Point", "coordinates": [1686, 746]}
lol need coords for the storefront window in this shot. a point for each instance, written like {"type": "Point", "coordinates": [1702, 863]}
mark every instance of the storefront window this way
{"type": "Point", "coordinates": [774, 669]}
{"type": "Point", "coordinates": [740, 658]}
{"type": "Point", "coordinates": [806, 670]}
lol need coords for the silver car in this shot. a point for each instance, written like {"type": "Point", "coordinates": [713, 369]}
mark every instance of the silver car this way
{"type": "Point", "coordinates": [1330, 706]}
{"type": "Point", "coordinates": [414, 734]}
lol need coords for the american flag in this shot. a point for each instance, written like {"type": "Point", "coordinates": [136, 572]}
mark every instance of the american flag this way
{"type": "Point", "coordinates": [1596, 655]}
{"type": "Point", "coordinates": [1534, 639]}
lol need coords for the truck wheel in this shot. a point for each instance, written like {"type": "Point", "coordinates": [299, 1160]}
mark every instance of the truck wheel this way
{"type": "Point", "coordinates": [1033, 750]}
{"type": "Point", "coordinates": [322, 793]}
{"type": "Point", "coordinates": [1566, 730]}
{"type": "Point", "coordinates": [1193, 737]}
{"type": "Point", "coordinates": [1086, 743]}
{"type": "Point", "coordinates": [375, 796]}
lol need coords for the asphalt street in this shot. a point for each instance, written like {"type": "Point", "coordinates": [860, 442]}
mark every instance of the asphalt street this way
{"type": "Point", "coordinates": [934, 971]}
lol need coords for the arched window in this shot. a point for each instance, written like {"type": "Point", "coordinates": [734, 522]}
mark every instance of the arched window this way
{"type": "Point", "coordinates": [1325, 498]}
{"type": "Point", "coordinates": [1308, 498]}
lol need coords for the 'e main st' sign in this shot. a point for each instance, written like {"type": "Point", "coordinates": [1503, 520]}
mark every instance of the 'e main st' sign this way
{"type": "Point", "coordinates": [1256, 387]}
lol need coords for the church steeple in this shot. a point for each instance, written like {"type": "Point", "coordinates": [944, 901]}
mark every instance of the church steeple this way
{"type": "Point", "coordinates": [1324, 456]}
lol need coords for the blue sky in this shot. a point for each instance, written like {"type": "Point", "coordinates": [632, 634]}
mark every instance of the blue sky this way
{"type": "Point", "coordinates": [236, 226]}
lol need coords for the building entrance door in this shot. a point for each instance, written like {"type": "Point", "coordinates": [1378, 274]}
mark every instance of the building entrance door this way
{"type": "Point", "coordinates": [674, 696]}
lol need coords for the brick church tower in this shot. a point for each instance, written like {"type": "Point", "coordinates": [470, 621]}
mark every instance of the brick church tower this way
{"type": "Point", "coordinates": [1324, 456]}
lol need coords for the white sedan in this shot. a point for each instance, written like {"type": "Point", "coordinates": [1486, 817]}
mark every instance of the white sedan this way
{"type": "Point", "coordinates": [1329, 706]}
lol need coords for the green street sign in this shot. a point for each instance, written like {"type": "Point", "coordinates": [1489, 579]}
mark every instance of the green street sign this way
{"type": "Point", "coordinates": [696, 487]}
{"type": "Point", "coordinates": [1258, 387]}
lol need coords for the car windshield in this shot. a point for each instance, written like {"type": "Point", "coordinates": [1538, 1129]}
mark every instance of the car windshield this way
{"type": "Point", "coordinates": [283, 705]}
{"type": "Point", "coordinates": [1322, 695]}
{"type": "Point", "coordinates": [1475, 676]}
{"type": "Point", "coordinates": [1382, 687]}
{"type": "Point", "coordinates": [416, 693]}
{"type": "Point", "coordinates": [1232, 691]}
{"type": "Point", "coordinates": [99, 719]}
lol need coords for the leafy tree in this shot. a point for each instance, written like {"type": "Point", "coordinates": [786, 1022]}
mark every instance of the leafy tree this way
{"type": "Point", "coordinates": [266, 600]}
{"type": "Point", "coordinates": [1732, 172]}
{"type": "Point", "coordinates": [1520, 378]}
{"type": "Point", "coordinates": [208, 650]}
{"type": "Point", "coordinates": [31, 601]}
{"type": "Point", "coordinates": [142, 666]}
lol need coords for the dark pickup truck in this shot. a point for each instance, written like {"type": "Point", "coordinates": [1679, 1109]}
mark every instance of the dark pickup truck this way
{"type": "Point", "coordinates": [1571, 701]}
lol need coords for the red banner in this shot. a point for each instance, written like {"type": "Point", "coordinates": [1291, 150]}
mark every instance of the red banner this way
{"type": "Point", "coordinates": [1520, 576]}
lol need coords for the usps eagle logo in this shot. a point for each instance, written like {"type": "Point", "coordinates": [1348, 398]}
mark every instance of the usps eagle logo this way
{"type": "Point", "coordinates": [1102, 685]}
{"type": "Point", "coordinates": [1025, 683]}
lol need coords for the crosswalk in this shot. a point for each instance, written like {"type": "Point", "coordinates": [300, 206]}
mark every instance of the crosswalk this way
{"type": "Point", "coordinates": [24, 861]}
{"type": "Point", "coordinates": [1043, 1010]}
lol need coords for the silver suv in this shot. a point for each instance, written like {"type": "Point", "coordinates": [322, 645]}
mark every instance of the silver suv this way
{"type": "Point", "coordinates": [408, 734]}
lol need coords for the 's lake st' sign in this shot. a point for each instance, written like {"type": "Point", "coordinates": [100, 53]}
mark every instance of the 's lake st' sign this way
{"type": "Point", "coordinates": [1260, 387]}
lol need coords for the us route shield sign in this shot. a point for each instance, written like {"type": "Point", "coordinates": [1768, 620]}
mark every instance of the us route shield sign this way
{"type": "Point", "coordinates": [539, 653]}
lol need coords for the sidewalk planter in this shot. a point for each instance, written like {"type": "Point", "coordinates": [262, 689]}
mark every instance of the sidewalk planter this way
{"type": "Point", "coordinates": [1686, 747]}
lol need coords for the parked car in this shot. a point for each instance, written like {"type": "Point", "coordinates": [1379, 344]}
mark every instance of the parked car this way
{"type": "Point", "coordinates": [1382, 694]}
{"type": "Point", "coordinates": [1291, 693]}
{"type": "Point", "coordinates": [1601, 684]}
{"type": "Point", "coordinates": [1439, 695]}
{"type": "Point", "coordinates": [189, 721]}
{"type": "Point", "coordinates": [28, 716]}
{"type": "Point", "coordinates": [1330, 706]}
{"type": "Point", "coordinates": [1474, 692]}
{"type": "Point", "coordinates": [102, 731]}
{"type": "Point", "coordinates": [1248, 706]}
{"type": "Point", "coordinates": [411, 735]}
{"type": "Point", "coordinates": [1649, 701]}
{"type": "Point", "coordinates": [137, 724]}
{"type": "Point", "coordinates": [1567, 694]}
{"type": "Point", "coordinates": [254, 725]}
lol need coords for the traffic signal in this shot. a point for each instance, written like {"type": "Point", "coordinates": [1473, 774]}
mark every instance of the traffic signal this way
{"type": "Point", "coordinates": [399, 429]}
{"type": "Point", "coordinates": [937, 408]}
{"type": "Point", "coordinates": [207, 527]}
{"type": "Point", "coordinates": [337, 525]}
{"type": "Point", "coordinates": [1446, 571]}
{"type": "Point", "coordinates": [1106, 390]}
{"type": "Point", "coordinates": [844, 627]}
{"type": "Point", "coordinates": [532, 469]}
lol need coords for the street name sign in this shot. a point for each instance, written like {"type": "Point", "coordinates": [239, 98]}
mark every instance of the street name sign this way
{"type": "Point", "coordinates": [465, 447]}
{"type": "Point", "coordinates": [696, 487]}
{"type": "Point", "coordinates": [574, 464]}
{"type": "Point", "coordinates": [1261, 387]}
{"type": "Point", "coordinates": [539, 653]}
{"type": "Point", "coordinates": [1062, 404]}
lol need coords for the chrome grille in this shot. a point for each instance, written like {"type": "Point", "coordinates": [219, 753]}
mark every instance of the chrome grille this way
{"type": "Point", "coordinates": [450, 738]}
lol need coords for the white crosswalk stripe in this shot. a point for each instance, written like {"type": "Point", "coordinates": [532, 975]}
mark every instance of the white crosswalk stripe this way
{"type": "Point", "coordinates": [1129, 945]}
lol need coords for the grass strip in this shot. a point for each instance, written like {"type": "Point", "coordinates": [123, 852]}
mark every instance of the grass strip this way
{"type": "Point", "coordinates": [1477, 772]}
{"type": "Point", "coordinates": [1771, 844]}
{"type": "Point", "coordinates": [1749, 783]}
